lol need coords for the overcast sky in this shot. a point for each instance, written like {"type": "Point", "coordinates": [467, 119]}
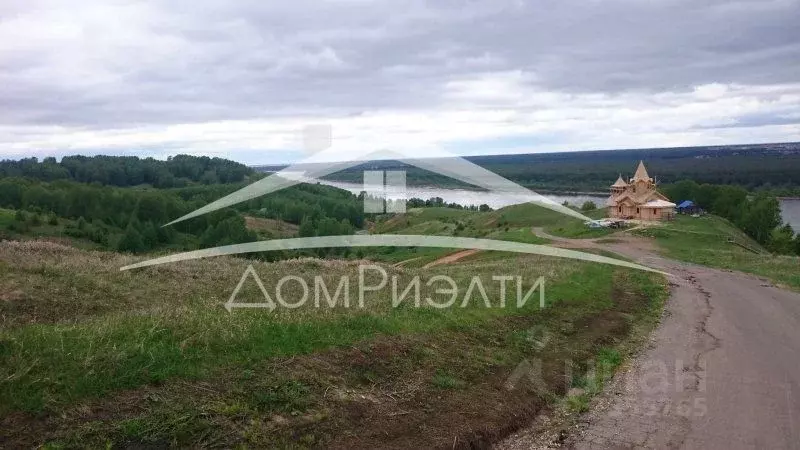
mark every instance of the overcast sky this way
{"type": "Point", "coordinates": [240, 79]}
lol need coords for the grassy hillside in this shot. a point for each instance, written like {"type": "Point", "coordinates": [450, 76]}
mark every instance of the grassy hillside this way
{"type": "Point", "coordinates": [704, 240]}
{"type": "Point", "coordinates": [514, 222]}
{"type": "Point", "coordinates": [90, 356]}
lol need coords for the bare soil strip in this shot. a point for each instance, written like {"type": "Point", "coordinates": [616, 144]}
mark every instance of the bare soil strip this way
{"type": "Point", "coordinates": [451, 258]}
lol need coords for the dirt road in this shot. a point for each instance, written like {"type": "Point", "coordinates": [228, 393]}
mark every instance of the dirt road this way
{"type": "Point", "coordinates": [722, 370]}
{"type": "Point", "coordinates": [451, 258]}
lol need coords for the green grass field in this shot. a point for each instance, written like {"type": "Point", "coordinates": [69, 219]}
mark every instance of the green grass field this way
{"type": "Point", "coordinates": [454, 222]}
{"type": "Point", "coordinates": [510, 223]}
{"type": "Point", "coordinates": [704, 240]}
{"type": "Point", "coordinates": [90, 356]}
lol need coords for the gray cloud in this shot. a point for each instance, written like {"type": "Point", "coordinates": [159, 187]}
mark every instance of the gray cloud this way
{"type": "Point", "coordinates": [755, 120]}
{"type": "Point", "coordinates": [120, 65]}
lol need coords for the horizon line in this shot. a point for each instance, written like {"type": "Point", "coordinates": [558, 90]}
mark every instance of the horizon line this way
{"type": "Point", "coordinates": [224, 154]}
{"type": "Point", "coordinates": [546, 152]}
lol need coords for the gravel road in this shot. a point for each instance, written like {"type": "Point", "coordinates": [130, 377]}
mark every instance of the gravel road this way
{"type": "Point", "coordinates": [722, 370]}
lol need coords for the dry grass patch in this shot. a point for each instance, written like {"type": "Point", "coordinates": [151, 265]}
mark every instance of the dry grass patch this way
{"type": "Point", "coordinates": [271, 227]}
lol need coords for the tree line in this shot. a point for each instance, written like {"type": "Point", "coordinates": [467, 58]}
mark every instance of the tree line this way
{"type": "Point", "coordinates": [758, 215]}
{"type": "Point", "coordinates": [438, 202]}
{"type": "Point", "coordinates": [175, 171]}
{"type": "Point", "coordinates": [131, 219]}
{"type": "Point", "coordinates": [772, 167]}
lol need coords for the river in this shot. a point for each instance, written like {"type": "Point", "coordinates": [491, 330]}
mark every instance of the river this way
{"type": "Point", "coordinates": [790, 211]}
{"type": "Point", "coordinates": [466, 197]}
{"type": "Point", "coordinates": [790, 208]}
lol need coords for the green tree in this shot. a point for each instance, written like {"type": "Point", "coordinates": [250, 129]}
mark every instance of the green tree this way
{"type": "Point", "coordinates": [231, 230]}
{"type": "Point", "coordinates": [730, 202]}
{"type": "Point", "coordinates": [131, 241]}
{"type": "Point", "coordinates": [306, 228]}
{"type": "Point", "coordinates": [761, 216]}
{"type": "Point", "coordinates": [705, 196]}
{"type": "Point", "coordinates": [683, 190]}
{"type": "Point", "coordinates": [11, 192]}
{"type": "Point", "coordinates": [782, 240]}
{"type": "Point", "coordinates": [345, 227]}
{"type": "Point", "coordinates": [328, 226]}
{"type": "Point", "coordinates": [149, 235]}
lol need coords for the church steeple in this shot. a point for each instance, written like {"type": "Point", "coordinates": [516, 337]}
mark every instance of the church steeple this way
{"type": "Point", "coordinates": [620, 183]}
{"type": "Point", "coordinates": [641, 173]}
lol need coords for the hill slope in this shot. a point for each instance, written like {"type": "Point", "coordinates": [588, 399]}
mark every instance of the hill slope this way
{"type": "Point", "coordinates": [705, 240]}
{"type": "Point", "coordinates": [90, 356]}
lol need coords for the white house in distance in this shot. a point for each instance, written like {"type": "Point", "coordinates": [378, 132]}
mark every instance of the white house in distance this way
{"type": "Point", "coordinates": [638, 198]}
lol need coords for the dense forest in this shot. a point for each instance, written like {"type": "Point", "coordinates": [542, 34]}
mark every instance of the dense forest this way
{"type": "Point", "coordinates": [769, 167]}
{"type": "Point", "coordinates": [751, 167]}
{"type": "Point", "coordinates": [176, 171]}
{"type": "Point", "coordinates": [130, 219]}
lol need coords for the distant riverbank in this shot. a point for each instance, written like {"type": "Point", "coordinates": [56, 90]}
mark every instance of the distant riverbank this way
{"type": "Point", "coordinates": [790, 206]}
{"type": "Point", "coordinates": [468, 197]}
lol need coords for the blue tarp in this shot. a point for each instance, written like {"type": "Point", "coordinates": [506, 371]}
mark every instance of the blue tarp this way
{"type": "Point", "coordinates": [686, 204]}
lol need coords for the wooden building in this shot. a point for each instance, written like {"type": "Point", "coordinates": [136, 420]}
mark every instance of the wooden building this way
{"type": "Point", "coordinates": [638, 198]}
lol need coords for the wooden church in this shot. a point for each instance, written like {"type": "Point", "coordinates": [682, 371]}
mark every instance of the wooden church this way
{"type": "Point", "coordinates": [638, 198]}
